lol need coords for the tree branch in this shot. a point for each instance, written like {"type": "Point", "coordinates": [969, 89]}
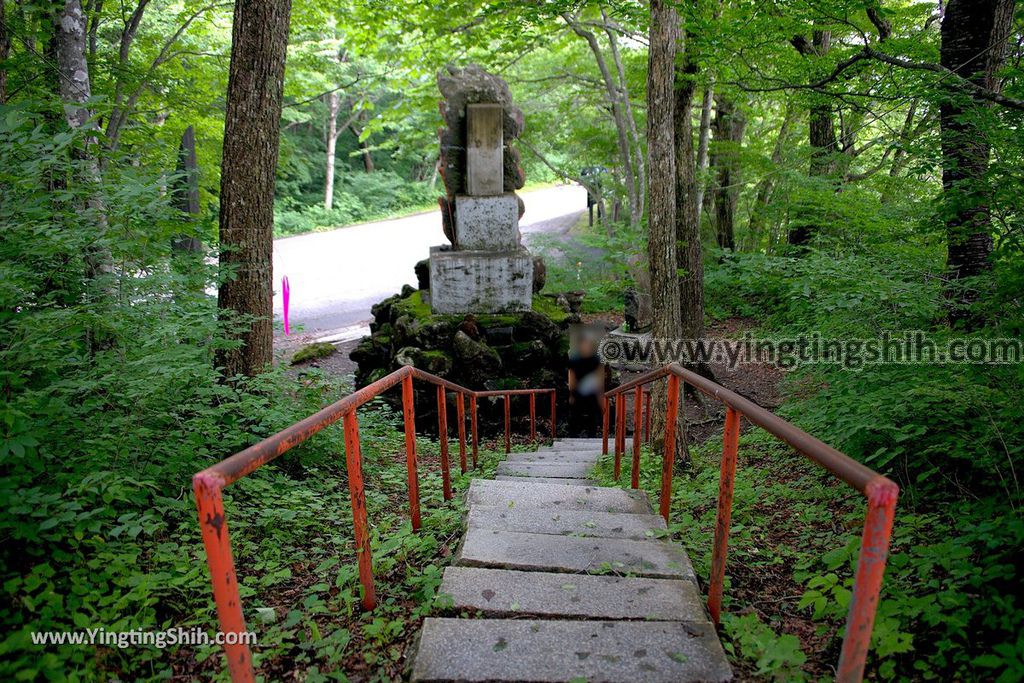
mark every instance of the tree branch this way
{"type": "Point", "coordinates": [869, 53]}
{"type": "Point", "coordinates": [557, 171]}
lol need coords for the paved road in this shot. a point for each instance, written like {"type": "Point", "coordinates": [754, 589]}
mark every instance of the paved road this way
{"type": "Point", "coordinates": [336, 276]}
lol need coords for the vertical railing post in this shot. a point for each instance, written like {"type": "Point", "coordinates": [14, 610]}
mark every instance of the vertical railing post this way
{"type": "Point", "coordinates": [638, 404]}
{"type": "Point", "coordinates": [618, 434]}
{"type": "Point", "coordinates": [472, 426]}
{"type": "Point", "coordinates": [668, 462]}
{"type": "Point", "coordinates": [214, 526]}
{"type": "Point", "coordinates": [442, 435]}
{"type": "Point", "coordinates": [508, 425]}
{"type": "Point", "coordinates": [554, 424]}
{"type": "Point", "coordinates": [867, 584]}
{"type": "Point", "coordinates": [460, 408]}
{"type": "Point", "coordinates": [730, 444]}
{"type": "Point", "coordinates": [353, 461]}
{"type": "Point", "coordinates": [647, 416]}
{"type": "Point", "coordinates": [604, 425]}
{"type": "Point", "coordinates": [533, 417]}
{"type": "Point", "coordinates": [409, 415]}
{"type": "Point", "coordinates": [621, 427]}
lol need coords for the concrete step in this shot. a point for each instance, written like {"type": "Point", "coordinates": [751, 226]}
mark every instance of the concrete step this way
{"type": "Point", "coordinates": [594, 445]}
{"type": "Point", "coordinates": [586, 452]}
{"type": "Point", "coordinates": [555, 469]}
{"type": "Point", "coordinates": [547, 552]}
{"type": "Point", "coordinates": [557, 650]}
{"type": "Point", "coordinates": [548, 456]}
{"type": "Point", "coordinates": [566, 522]}
{"type": "Point", "coordinates": [500, 592]}
{"type": "Point", "coordinates": [547, 480]}
{"type": "Point", "coordinates": [562, 496]}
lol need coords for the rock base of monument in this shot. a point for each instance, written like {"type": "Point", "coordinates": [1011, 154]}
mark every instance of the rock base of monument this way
{"type": "Point", "coordinates": [480, 282]}
{"type": "Point", "coordinates": [480, 351]}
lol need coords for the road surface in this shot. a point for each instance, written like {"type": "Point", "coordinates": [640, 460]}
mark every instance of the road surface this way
{"type": "Point", "coordinates": [336, 276]}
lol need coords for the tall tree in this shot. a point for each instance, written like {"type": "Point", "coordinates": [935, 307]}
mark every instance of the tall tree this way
{"type": "Point", "coordinates": [75, 88]}
{"type": "Point", "coordinates": [5, 50]}
{"type": "Point", "coordinates": [333, 105]}
{"type": "Point", "coordinates": [766, 185]}
{"type": "Point", "coordinates": [618, 99]}
{"type": "Point", "coordinates": [689, 258]}
{"type": "Point", "coordinates": [364, 148]}
{"type": "Point", "coordinates": [821, 134]}
{"type": "Point", "coordinates": [259, 41]}
{"type": "Point", "coordinates": [974, 39]}
{"type": "Point", "coordinates": [703, 146]}
{"type": "Point", "coordinates": [661, 221]}
{"type": "Point", "coordinates": [730, 122]}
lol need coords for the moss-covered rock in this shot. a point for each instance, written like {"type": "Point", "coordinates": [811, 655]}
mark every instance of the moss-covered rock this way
{"type": "Point", "coordinates": [549, 307]}
{"type": "Point", "coordinates": [434, 361]}
{"type": "Point", "coordinates": [313, 352]}
{"type": "Point", "coordinates": [499, 351]}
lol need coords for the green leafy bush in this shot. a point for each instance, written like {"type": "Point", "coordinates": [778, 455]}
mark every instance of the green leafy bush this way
{"type": "Point", "coordinates": [112, 402]}
{"type": "Point", "coordinates": [357, 197]}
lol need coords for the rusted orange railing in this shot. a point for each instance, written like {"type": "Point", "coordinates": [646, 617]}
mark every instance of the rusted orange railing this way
{"type": "Point", "coordinates": [209, 484]}
{"type": "Point", "coordinates": [507, 395]}
{"type": "Point", "coordinates": [881, 493]}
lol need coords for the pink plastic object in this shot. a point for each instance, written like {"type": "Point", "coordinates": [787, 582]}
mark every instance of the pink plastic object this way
{"type": "Point", "coordinates": [286, 293]}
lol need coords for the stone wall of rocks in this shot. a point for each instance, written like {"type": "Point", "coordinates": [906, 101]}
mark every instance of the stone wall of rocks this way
{"type": "Point", "coordinates": [527, 349]}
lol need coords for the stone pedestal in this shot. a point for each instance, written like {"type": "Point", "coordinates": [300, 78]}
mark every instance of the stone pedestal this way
{"type": "Point", "coordinates": [487, 223]}
{"type": "Point", "coordinates": [479, 281]}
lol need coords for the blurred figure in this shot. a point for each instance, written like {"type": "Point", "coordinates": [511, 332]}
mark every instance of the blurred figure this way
{"type": "Point", "coordinates": [586, 383]}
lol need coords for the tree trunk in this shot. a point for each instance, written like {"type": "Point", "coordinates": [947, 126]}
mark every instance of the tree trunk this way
{"type": "Point", "coordinates": [969, 29]}
{"type": "Point", "coordinates": [364, 149]}
{"type": "Point", "coordinates": [689, 259]}
{"type": "Point", "coordinates": [367, 157]}
{"type": "Point", "coordinates": [333, 104]}
{"type": "Point", "coordinates": [766, 185]}
{"type": "Point", "coordinates": [185, 194]}
{"type": "Point", "coordinates": [5, 50]}
{"type": "Point", "coordinates": [618, 114]}
{"type": "Point", "coordinates": [636, 144]}
{"type": "Point", "coordinates": [729, 126]}
{"type": "Point", "coordinates": [703, 145]}
{"type": "Point", "coordinates": [75, 92]}
{"type": "Point", "coordinates": [661, 164]}
{"type": "Point", "coordinates": [822, 138]}
{"type": "Point", "coordinates": [259, 39]}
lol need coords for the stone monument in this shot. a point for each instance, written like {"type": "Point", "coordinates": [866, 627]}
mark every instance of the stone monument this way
{"type": "Point", "coordinates": [485, 269]}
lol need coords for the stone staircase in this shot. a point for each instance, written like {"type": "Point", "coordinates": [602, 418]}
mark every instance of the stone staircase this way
{"type": "Point", "coordinates": [568, 583]}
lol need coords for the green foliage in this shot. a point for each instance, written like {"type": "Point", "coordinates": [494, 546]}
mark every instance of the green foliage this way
{"type": "Point", "coordinates": [112, 403]}
{"type": "Point", "coordinates": [928, 425]}
{"type": "Point", "coordinates": [949, 607]}
{"type": "Point", "coordinates": [594, 262]}
{"type": "Point", "coordinates": [357, 197]}
{"type": "Point", "coordinates": [775, 657]}
{"type": "Point", "coordinates": [847, 295]}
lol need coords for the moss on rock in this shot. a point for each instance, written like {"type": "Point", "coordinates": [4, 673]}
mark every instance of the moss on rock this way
{"type": "Point", "coordinates": [548, 306]}
{"type": "Point", "coordinates": [313, 352]}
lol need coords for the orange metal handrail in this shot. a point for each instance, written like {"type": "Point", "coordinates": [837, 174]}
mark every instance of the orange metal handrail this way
{"type": "Point", "coordinates": [507, 395]}
{"type": "Point", "coordinates": [881, 493]}
{"type": "Point", "coordinates": [209, 484]}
